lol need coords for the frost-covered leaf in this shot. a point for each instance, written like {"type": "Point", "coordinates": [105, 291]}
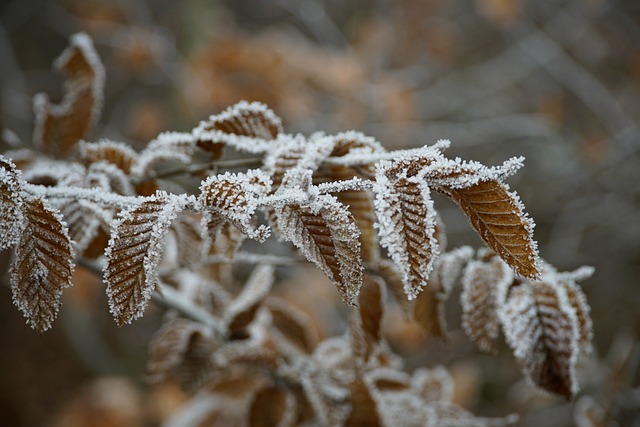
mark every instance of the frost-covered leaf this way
{"type": "Point", "coordinates": [186, 230]}
{"type": "Point", "coordinates": [541, 327]}
{"type": "Point", "coordinates": [43, 264]}
{"type": "Point", "coordinates": [84, 219]}
{"type": "Point", "coordinates": [482, 284]}
{"type": "Point", "coordinates": [245, 126]}
{"type": "Point", "coordinates": [119, 154]}
{"type": "Point", "coordinates": [393, 279]}
{"type": "Point", "coordinates": [292, 324]}
{"type": "Point", "coordinates": [272, 407]}
{"type": "Point", "coordinates": [406, 223]}
{"type": "Point", "coordinates": [360, 203]}
{"type": "Point", "coordinates": [327, 235]}
{"type": "Point", "coordinates": [578, 301]}
{"type": "Point", "coordinates": [134, 251]}
{"type": "Point", "coordinates": [367, 318]}
{"type": "Point", "coordinates": [234, 198]}
{"type": "Point", "coordinates": [168, 146]}
{"type": "Point", "coordinates": [11, 215]}
{"type": "Point", "coordinates": [181, 349]}
{"type": "Point", "coordinates": [242, 310]}
{"type": "Point", "coordinates": [58, 128]}
{"type": "Point", "coordinates": [499, 218]}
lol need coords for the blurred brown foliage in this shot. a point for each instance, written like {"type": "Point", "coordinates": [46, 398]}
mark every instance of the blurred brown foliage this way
{"type": "Point", "coordinates": [557, 81]}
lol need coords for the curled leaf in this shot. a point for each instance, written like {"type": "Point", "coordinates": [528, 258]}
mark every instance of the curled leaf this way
{"type": "Point", "coordinates": [58, 128]}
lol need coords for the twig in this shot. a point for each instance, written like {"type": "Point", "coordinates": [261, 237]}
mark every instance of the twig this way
{"type": "Point", "coordinates": [192, 169]}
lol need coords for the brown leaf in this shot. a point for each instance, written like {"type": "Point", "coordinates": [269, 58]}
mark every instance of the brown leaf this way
{"type": "Point", "coordinates": [326, 234]}
{"type": "Point", "coordinates": [428, 312]}
{"type": "Point", "coordinates": [392, 278]}
{"type": "Point", "coordinates": [364, 410]}
{"type": "Point", "coordinates": [578, 301]}
{"type": "Point", "coordinates": [11, 216]}
{"type": "Point", "coordinates": [43, 264]}
{"type": "Point", "coordinates": [482, 282]}
{"type": "Point", "coordinates": [134, 251]}
{"type": "Point", "coordinates": [293, 324]}
{"type": "Point", "coordinates": [541, 328]}
{"type": "Point", "coordinates": [242, 310]}
{"type": "Point", "coordinates": [233, 197]}
{"type": "Point", "coordinates": [271, 407]}
{"type": "Point", "coordinates": [58, 128]}
{"type": "Point", "coordinates": [499, 218]}
{"type": "Point", "coordinates": [117, 153]}
{"type": "Point", "coordinates": [367, 318]}
{"type": "Point", "coordinates": [245, 126]}
{"type": "Point", "coordinates": [407, 225]}
{"type": "Point", "coordinates": [186, 230]}
{"type": "Point", "coordinates": [85, 219]}
{"type": "Point", "coordinates": [181, 349]}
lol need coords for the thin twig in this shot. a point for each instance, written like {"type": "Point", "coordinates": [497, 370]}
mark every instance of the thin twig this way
{"type": "Point", "coordinates": [196, 168]}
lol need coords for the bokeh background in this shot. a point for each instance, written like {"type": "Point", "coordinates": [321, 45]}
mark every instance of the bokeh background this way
{"type": "Point", "coordinates": [556, 81]}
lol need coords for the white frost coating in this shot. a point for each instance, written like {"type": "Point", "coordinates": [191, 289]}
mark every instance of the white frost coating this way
{"type": "Point", "coordinates": [58, 171]}
{"type": "Point", "coordinates": [400, 228]}
{"type": "Point", "coordinates": [235, 198]}
{"type": "Point", "coordinates": [11, 211]}
{"type": "Point", "coordinates": [96, 195]}
{"type": "Point", "coordinates": [252, 122]}
{"type": "Point", "coordinates": [38, 294]}
{"type": "Point", "coordinates": [108, 176]}
{"type": "Point", "coordinates": [168, 146]}
{"type": "Point", "coordinates": [541, 326]}
{"type": "Point", "coordinates": [358, 157]}
{"type": "Point", "coordinates": [88, 150]}
{"type": "Point", "coordinates": [434, 385]}
{"type": "Point", "coordinates": [83, 42]}
{"type": "Point", "coordinates": [128, 242]}
{"type": "Point", "coordinates": [463, 174]}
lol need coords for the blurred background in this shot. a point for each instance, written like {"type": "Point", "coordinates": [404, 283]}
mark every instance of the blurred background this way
{"type": "Point", "coordinates": [556, 81]}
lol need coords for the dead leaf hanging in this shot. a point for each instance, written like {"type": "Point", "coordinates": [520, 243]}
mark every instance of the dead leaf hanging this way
{"type": "Point", "coordinates": [134, 252]}
{"type": "Point", "coordinates": [58, 128]}
{"type": "Point", "coordinates": [43, 264]}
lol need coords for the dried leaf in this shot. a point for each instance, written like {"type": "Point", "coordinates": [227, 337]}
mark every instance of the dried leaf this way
{"type": "Point", "coordinates": [578, 301]}
{"type": "Point", "coordinates": [233, 197]}
{"type": "Point", "coordinates": [168, 146]}
{"type": "Point", "coordinates": [244, 126]}
{"type": "Point", "coordinates": [85, 219]}
{"type": "Point", "coordinates": [393, 279]}
{"type": "Point", "coordinates": [43, 264]}
{"type": "Point", "coordinates": [189, 240]}
{"type": "Point", "coordinates": [364, 410]}
{"type": "Point", "coordinates": [11, 215]}
{"type": "Point", "coordinates": [119, 154]}
{"type": "Point", "coordinates": [482, 283]}
{"type": "Point", "coordinates": [242, 310]}
{"type": "Point", "coordinates": [326, 234]}
{"type": "Point", "coordinates": [58, 128]}
{"type": "Point", "coordinates": [134, 251]}
{"type": "Point", "coordinates": [293, 324]}
{"type": "Point", "coordinates": [406, 222]}
{"type": "Point", "coordinates": [498, 216]}
{"type": "Point", "coordinates": [428, 312]}
{"type": "Point", "coordinates": [181, 349]}
{"type": "Point", "coordinates": [541, 328]}
{"type": "Point", "coordinates": [366, 321]}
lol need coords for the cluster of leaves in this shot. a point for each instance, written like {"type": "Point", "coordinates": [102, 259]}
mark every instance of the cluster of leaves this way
{"type": "Point", "coordinates": [339, 199]}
